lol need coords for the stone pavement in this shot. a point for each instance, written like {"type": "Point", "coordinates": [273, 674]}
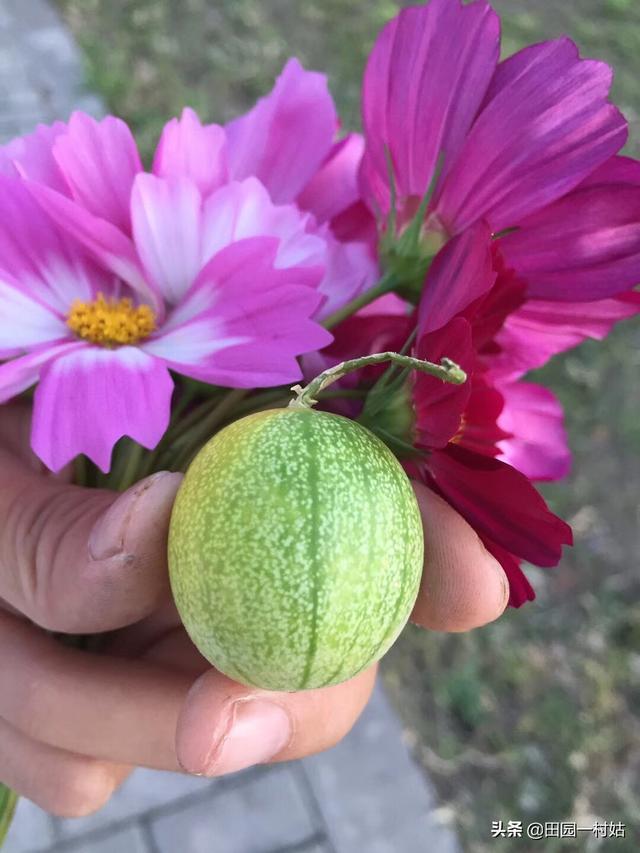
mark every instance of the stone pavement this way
{"type": "Point", "coordinates": [364, 796]}
{"type": "Point", "coordinates": [41, 75]}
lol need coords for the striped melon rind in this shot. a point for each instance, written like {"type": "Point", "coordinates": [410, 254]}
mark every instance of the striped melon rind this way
{"type": "Point", "coordinates": [295, 549]}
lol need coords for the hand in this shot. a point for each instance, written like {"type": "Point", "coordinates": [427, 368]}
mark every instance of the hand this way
{"type": "Point", "coordinates": [74, 723]}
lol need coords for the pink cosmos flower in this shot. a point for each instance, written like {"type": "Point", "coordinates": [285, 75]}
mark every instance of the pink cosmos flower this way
{"type": "Point", "coordinates": [318, 176]}
{"type": "Point", "coordinates": [111, 277]}
{"type": "Point", "coordinates": [233, 244]}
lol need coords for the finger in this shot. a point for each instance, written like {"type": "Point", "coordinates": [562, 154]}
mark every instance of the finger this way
{"type": "Point", "coordinates": [124, 711]}
{"type": "Point", "coordinates": [15, 439]}
{"type": "Point", "coordinates": [62, 783]}
{"type": "Point", "coordinates": [83, 560]}
{"type": "Point", "coordinates": [463, 586]}
{"type": "Point", "coordinates": [225, 727]}
{"type": "Point", "coordinates": [51, 693]}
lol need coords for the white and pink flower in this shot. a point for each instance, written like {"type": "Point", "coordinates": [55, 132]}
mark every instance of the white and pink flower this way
{"type": "Point", "coordinates": [110, 276]}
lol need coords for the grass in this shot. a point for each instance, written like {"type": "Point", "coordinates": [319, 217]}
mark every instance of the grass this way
{"type": "Point", "coordinates": [535, 717]}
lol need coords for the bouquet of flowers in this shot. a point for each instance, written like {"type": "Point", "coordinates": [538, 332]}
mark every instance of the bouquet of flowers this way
{"type": "Point", "coordinates": [482, 223]}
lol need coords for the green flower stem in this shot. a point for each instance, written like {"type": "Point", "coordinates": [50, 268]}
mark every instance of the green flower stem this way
{"type": "Point", "coordinates": [386, 284]}
{"type": "Point", "coordinates": [133, 463]}
{"type": "Point", "coordinates": [80, 471]}
{"type": "Point", "coordinates": [8, 801]}
{"type": "Point", "coordinates": [257, 402]}
{"type": "Point", "coordinates": [179, 427]}
{"type": "Point", "coordinates": [447, 370]}
{"type": "Point", "coordinates": [151, 459]}
{"type": "Point", "coordinates": [190, 442]}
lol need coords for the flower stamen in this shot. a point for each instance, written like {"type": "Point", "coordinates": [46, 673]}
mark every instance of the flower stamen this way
{"type": "Point", "coordinates": [457, 438]}
{"type": "Point", "coordinates": [111, 322]}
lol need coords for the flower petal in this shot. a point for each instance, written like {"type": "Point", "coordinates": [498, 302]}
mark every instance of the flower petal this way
{"type": "Point", "coordinates": [24, 321]}
{"type": "Point", "coordinates": [32, 156]}
{"type": "Point", "coordinates": [286, 137]}
{"type": "Point", "coordinates": [87, 400]}
{"type": "Point", "coordinates": [243, 209]}
{"type": "Point", "coordinates": [501, 503]}
{"type": "Point", "coordinates": [480, 431]}
{"type": "Point", "coordinates": [584, 246]}
{"type": "Point", "coordinates": [112, 249]}
{"type": "Point", "coordinates": [99, 160]}
{"type": "Point", "coordinates": [616, 170]}
{"type": "Point", "coordinates": [538, 445]}
{"type": "Point", "coordinates": [425, 81]}
{"type": "Point", "coordinates": [439, 405]}
{"type": "Point", "coordinates": [334, 187]}
{"type": "Point", "coordinates": [167, 225]}
{"type": "Point", "coordinates": [19, 374]}
{"type": "Point", "coordinates": [520, 590]}
{"type": "Point", "coordinates": [350, 270]}
{"type": "Point", "coordinates": [37, 255]}
{"type": "Point", "coordinates": [542, 329]}
{"type": "Point", "coordinates": [546, 125]}
{"type": "Point", "coordinates": [251, 322]}
{"type": "Point", "coordinates": [189, 149]}
{"type": "Point", "coordinates": [356, 224]}
{"type": "Point", "coordinates": [461, 273]}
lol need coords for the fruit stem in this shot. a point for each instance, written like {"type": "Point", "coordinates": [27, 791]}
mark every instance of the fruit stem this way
{"type": "Point", "coordinates": [447, 370]}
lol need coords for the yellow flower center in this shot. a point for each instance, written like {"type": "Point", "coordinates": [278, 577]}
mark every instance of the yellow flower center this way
{"type": "Point", "coordinates": [111, 322]}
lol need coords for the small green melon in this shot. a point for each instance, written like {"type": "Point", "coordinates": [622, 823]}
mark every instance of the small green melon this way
{"type": "Point", "coordinates": [295, 549]}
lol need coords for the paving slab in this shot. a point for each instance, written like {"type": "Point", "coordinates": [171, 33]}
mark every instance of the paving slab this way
{"type": "Point", "coordinates": [32, 829]}
{"type": "Point", "coordinates": [144, 791]}
{"type": "Point", "coordinates": [41, 70]}
{"type": "Point", "coordinates": [258, 816]}
{"type": "Point", "coordinates": [131, 839]}
{"type": "Point", "coordinates": [371, 793]}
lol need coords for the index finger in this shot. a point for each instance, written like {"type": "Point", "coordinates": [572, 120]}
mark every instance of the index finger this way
{"type": "Point", "coordinates": [463, 586]}
{"type": "Point", "coordinates": [73, 559]}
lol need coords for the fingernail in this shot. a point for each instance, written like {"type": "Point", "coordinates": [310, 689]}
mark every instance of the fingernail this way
{"type": "Point", "coordinates": [259, 730]}
{"type": "Point", "coordinates": [108, 537]}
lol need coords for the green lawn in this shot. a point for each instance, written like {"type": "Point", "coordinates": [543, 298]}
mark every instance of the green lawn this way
{"type": "Point", "coordinates": [535, 717]}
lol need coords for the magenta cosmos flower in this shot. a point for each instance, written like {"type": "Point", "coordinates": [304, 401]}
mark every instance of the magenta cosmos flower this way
{"type": "Point", "coordinates": [451, 436]}
{"type": "Point", "coordinates": [528, 147]}
{"type": "Point", "coordinates": [484, 442]}
{"type": "Point", "coordinates": [469, 455]}
{"type": "Point", "coordinates": [481, 444]}
{"type": "Point", "coordinates": [495, 140]}
{"type": "Point", "coordinates": [529, 242]}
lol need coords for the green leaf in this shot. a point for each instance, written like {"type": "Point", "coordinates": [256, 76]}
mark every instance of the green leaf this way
{"type": "Point", "coordinates": [8, 800]}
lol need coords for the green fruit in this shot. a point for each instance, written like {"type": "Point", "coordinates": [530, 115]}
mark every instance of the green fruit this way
{"type": "Point", "coordinates": [295, 549]}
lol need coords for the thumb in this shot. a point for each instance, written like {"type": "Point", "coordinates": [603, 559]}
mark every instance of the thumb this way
{"type": "Point", "coordinates": [84, 560]}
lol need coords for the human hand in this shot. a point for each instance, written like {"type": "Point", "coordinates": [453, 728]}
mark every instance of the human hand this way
{"type": "Point", "coordinates": [74, 723]}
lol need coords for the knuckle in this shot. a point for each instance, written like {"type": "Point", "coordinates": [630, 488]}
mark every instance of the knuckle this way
{"type": "Point", "coordinates": [36, 526]}
{"type": "Point", "coordinates": [80, 790]}
{"type": "Point", "coordinates": [26, 520]}
{"type": "Point", "coordinates": [29, 703]}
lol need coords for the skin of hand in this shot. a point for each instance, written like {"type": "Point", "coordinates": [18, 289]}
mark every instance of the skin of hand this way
{"type": "Point", "coordinates": [73, 724]}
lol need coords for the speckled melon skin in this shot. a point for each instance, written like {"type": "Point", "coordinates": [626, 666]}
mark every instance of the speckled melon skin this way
{"type": "Point", "coordinates": [295, 549]}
